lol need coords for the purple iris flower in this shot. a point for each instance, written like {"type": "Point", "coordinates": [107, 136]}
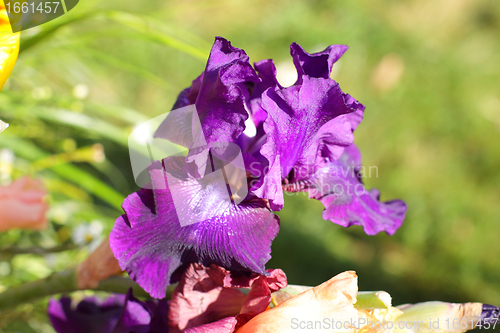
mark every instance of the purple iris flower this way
{"type": "Point", "coordinates": [309, 143]}
{"type": "Point", "coordinates": [304, 142]}
{"type": "Point", "coordinates": [149, 241]}
{"type": "Point", "coordinates": [116, 314]}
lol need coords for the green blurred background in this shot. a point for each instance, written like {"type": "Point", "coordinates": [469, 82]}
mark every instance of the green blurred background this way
{"type": "Point", "coordinates": [427, 70]}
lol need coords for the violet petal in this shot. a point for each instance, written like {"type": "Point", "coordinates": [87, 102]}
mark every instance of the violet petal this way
{"type": "Point", "coordinates": [154, 247]}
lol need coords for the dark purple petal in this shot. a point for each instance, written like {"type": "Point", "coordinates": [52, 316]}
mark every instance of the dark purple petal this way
{"type": "Point", "coordinates": [267, 74]}
{"type": "Point", "coordinates": [88, 316]}
{"type": "Point", "coordinates": [117, 314]}
{"type": "Point", "coordinates": [337, 184]}
{"type": "Point", "coordinates": [134, 317]}
{"type": "Point", "coordinates": [219, 95]}
{"type": "Point", "coordinates": [490, 314]}
{"type": "Point", "coordinates": [305, 125]}
{"type": "Point", "coordinates": [159, 315]}
{"type": "Point", "coordinates": [154, 246]}
{"type": "Point", "coordinates": [317, 65]}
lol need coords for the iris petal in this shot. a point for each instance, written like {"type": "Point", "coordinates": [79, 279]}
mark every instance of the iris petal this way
{"type": "Point", "coordinates": [317, 65]}
{"type": "Point", "coordinates": [226, 325]}
{"type": "Point", "coordinates": [116, 314]}
{"type": "Point", "coordinates": [338, 186]}
{"type": "Point", "coordinates": [267, 74]}
{"type": "Point", "coordinates": [209, 294]}
{"type": "Point", "coordinates": [219, 95]}
{"type": "Point", "coordinates": [303, 123]}
{"type": "Point", "coordinates": [152, 244]}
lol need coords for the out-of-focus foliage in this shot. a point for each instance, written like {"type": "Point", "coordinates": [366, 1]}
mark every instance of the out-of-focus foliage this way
{"type": "Point", "coordinates": [427, 70]}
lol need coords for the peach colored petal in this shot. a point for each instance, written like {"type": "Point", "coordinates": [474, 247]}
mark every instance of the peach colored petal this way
{"type": "Point", "coordinates": [100, 265]}
{"type": "Point", "coordinates": [329, 303]}
{"type": "Point", "coordinates": [22, 205]}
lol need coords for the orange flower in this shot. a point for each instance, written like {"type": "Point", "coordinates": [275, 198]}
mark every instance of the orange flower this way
{"type": "Point", "coordinates": [22, 205]}
{"type": "Point", "coordinates": [315, 310]}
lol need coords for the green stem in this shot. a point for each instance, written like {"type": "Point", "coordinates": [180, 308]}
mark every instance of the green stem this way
{"type": "Point", "coordinates": [65, 282]}
{"type": "Point", "coordinates": [121, 285]}
{"type": "Point", "coordinates": [37, 250]}
{"type": "Point", "coordinates": [59, 282]}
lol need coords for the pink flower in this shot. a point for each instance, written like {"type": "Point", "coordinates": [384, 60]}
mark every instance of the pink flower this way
{"type": "Point", "coordinates": [22, 205]}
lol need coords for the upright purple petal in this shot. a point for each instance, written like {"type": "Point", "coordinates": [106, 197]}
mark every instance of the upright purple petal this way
{"type": "Point", "coordinates": [220, 102]}
{"type": "Point", "coordinates": [152, 244]}
{"type": "Point", "coordinates": [267, 74]}
{"type": "Point", "coordinates": [266, 70]}
{"type": "Point", "coordinates": [317, 65]}
{"type": "Point", "coordinates": [219, 95]}
{"type": "Point", "coordinates": [305, 125]}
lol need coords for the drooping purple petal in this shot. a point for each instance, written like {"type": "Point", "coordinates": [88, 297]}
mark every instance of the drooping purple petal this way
{"type": "Point", "coordinates": [305, 125]}
{"type": "Point", "coordinates": [337, 184]}
{"type": "Point", "coordinates": [154, 245]}
{"type": "Point", "coordinates": [317, 65]}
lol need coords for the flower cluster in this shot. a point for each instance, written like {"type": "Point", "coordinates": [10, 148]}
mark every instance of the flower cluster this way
{"type": "Point", "coordinates": [211, 300]}
{"type": "Point", "coordinates": [303, 142]}
{"type": "Point", "coordinates": [307, 126]}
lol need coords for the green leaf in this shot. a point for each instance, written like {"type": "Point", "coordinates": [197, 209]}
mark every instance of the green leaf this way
{"type": "Point", "coordinates": [82, 121]}
{"type": "Point", "coordinates": [115, 62]}
{"type": "Point", "coordinates": [142, 24]}
{"type": "Point", "coordinates": [50, 29]}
